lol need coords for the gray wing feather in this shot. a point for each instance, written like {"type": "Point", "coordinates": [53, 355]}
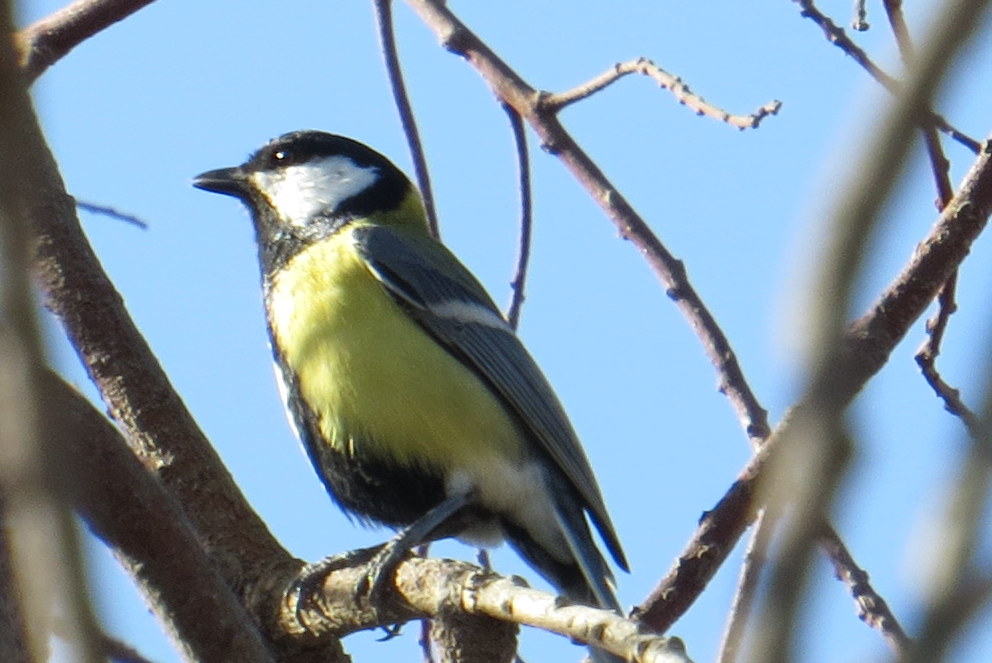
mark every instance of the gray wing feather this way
{"type": "Point", "coordinates": [419, 272]}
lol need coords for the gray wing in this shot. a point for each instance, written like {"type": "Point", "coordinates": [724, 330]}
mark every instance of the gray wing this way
{"type": "Point", "coordinates": [434, 287]}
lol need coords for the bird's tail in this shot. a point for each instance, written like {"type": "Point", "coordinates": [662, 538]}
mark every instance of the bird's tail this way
{"type": "Point", "coordinates": [585, 579]}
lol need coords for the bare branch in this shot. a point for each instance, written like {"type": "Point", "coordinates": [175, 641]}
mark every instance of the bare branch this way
{"type": "Point", "coordinates": [872, 608]}
{"type": "Point", "coordinates": [41, 539]}
{"type": "Point", "coordinates": [719, 530]}
{"type": "Point", "coordinates": [426, 588]}
{"type": "Point", "coordinates": [481, 593]}
{"type": "Point", "coordinates": [836, 36]}
{"type": "Point", "coordinates": [526, 220]}
{"type": "Point", "coordinates": [513, 90]}
{"type": "Point", "coordinates": [150, 533]}
{"type": "Point", "coordinates": [926, 358]}
{"type": "Point", "coordinates": [818, 445]}
{"type": "Point", "coordinates": [868, 342]}
{"type": "Point", "coordinates": [387, 40]}
{"type": "Point", "coordinates": [557, 101]}
{"type": "Point", "coordinates": [46, 42]}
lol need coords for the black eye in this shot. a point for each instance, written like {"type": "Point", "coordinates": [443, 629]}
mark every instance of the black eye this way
{"type": "Point", "coordinates": [282, 158]}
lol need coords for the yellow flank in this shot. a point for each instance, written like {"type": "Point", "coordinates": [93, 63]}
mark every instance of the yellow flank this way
{"type": "Point", "coordinates": [372, 375]}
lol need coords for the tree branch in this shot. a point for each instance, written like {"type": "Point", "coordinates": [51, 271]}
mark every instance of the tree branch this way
{"type": "Point", "coordinates": [46, 42]}
{"type": "Point", "coordinates": [463, 588]}
{"type": "Point", "coordinates": [150, 534]}
{"type": "Point", "coordinates": [387, 40]}
{"type": "Point", "coordinates": [871, 607]}
{"type": "Point", "coordinates": [868, 341]}
{"type": "Point", "coordinates": [513, 90]}
{"type": "Point", "coordinates": [41, 539]}
{"type": "Point", "coordinates": [555, 102]}
{"type": "Point", "coordinates": [517, 284]}
{"type": "Point", "coordinates": [836, 36]}
{"type": "Point", "coordinates": [926, 358]}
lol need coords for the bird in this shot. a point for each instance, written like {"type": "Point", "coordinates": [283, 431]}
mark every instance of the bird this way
{"type": "Point", "coordinates": [414, 398]}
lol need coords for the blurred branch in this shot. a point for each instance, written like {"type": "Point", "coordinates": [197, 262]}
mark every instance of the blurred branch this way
{"type": "Point", "coordinates": [387, 40]}
{"type": "Point", "coordinates": [120, 652]}
{"type": "Point", "coordinates": [13, 632]}
{"type": "Point", "coordinates": [41, 539]}
{"type": "Point", "coordinates": [957, 588]}
{"type": "Point", "coordinates": [836, 36]}
{"type": "Point", "coordinates": [150, 534]}
{"type": "Point", "coordinates": [555, 102]}
{"type": "Point", "coordinates": [897, 21]}
{"type": "Point", "coordinates": [44, 43]}
{"type": "Point", "coordinates": [926, 356]}
{"type": "Point", "coordinates": [867, 343]}
{"type": "Point", "coordinates": [137, 392]}
{"type": "Point", "coordinates": [528, 102]}
{"type": "Point", "coordinates": [817, 446]}
{"type": "Point", "coordinates": [722, 526]}
{"type": "Point", "coordinates": [517, 284]}
{"type": "Point", "coordinates": [158, 427]}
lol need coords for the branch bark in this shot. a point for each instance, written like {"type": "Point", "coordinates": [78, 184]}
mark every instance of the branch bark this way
{"type": "Point", "coordinates": [46, 42]}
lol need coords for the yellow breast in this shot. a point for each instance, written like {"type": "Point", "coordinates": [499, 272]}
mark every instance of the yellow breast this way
{"type": "Point", "coordinates": [377, 382]}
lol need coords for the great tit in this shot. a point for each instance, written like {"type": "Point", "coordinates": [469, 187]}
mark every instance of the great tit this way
{"type": "Point", "coordinates": [415, 400]}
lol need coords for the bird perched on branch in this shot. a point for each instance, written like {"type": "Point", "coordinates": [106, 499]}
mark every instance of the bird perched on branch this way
{"type": "Point", "coordinates": [415, 400]}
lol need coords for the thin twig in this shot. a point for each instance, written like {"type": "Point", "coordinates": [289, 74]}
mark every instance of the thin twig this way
{"type": "Point", "coordinates": [745, 597]}
{"type": "Point", "coordinates": [44, 43]}
{"type": "Point", "coordinates": [554, 102]}
{"type": "Point", "coordinates": [926, 358]}
{"type": "Point", "coordinates": [940, 167]}
{"type": "Point", "coordinates": [112, 213]}
{"type": "Point", "coordinates": [526, 217]}
{"type": "Point", "coordinates": [387, 39]}
{"type": "Point", "coordinates": [860, 20]}
{"type": "Point", "coordinates": [819, 447]}
{"type": "Point", "coordinates": [872, 608]}
{"type": "Point", "coordinates": [897, 21]}
{"type": "Point", "coordinates": [836, 36]}
{"type": "Point", "coordinates": [869, 341]}
{"type": "Point", "coordinates": [526, 100]}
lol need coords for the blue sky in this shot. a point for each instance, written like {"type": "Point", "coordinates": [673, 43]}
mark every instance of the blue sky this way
{"type": "Point", "coordinates": [185, 86]}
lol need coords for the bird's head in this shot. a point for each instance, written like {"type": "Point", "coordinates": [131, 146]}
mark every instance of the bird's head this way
{"type": "Point", "coordinates": [305, 181]}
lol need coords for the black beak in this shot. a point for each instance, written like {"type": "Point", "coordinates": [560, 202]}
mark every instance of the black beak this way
{"type": "Point", "coordinates": [229, 181]}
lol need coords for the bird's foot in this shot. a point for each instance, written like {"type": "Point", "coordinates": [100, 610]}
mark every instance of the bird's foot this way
{"type": "Point", "coordinates": [306, 586]}
{"type": "Point", "coordinates": [380, 575]}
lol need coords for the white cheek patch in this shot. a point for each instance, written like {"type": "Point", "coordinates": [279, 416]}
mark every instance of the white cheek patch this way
{"type": "Point", "coordinates": [318, 187]}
